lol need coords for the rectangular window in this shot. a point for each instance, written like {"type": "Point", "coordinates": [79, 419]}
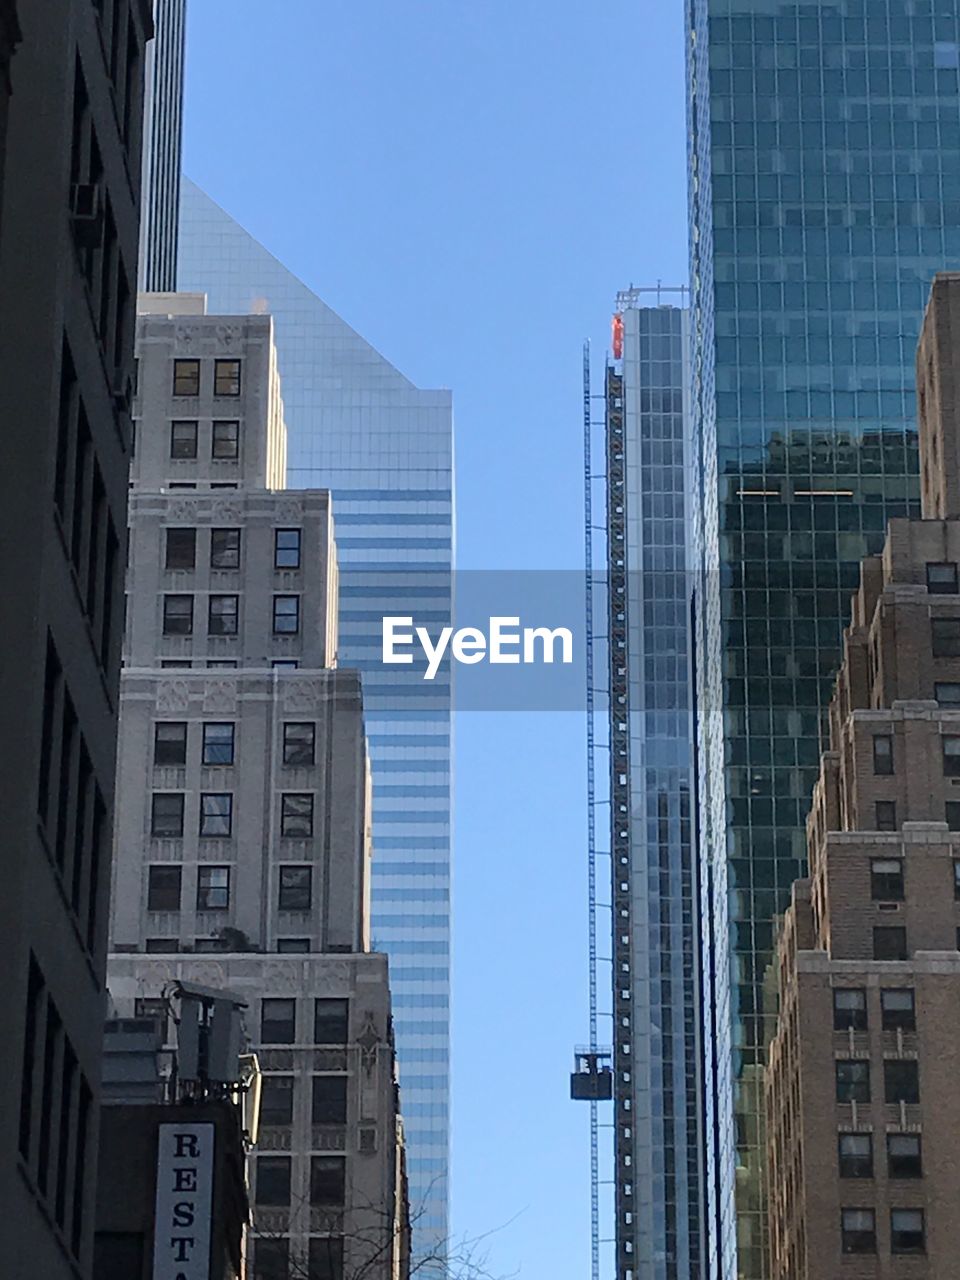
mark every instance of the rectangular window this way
{"type": "Point", "coordinates": [225, 441]}
{"type": "Point", "coordinates": [178, 615]}
{"type": "Point", "coordinates": [296, 888]}
{"type": "Point", "coordinates": [889, 942]}
{"type": "Point", "coordinates": [951, 756]}
{"type": "Point", "coordinates": [278, 1021]}
{"type": "Point", "coordinates": [213, 888]}
{"type": "Point", "coordinates": [166, 817]}
{"type": "Point", "coordinates": [898, 1007]}
{"type": "Point", "coordinates": [329, 1099]}
{"type": "Point", "coordinates": [276, 1100]}
{"type": "Point", "coordinates": [285, 664]}
{"type": "Point", "coordinates": [299, 743]}
{"type": "Point", "coordinates": [886, 815]}
{"type": "Point", "coordinates": [945, 635]}
{"type": "Point", "coordinates": [882, 753]}
{"type": "Point", "coordinates": [216, 814]}
{"type": "Point", "coordinates": [186, 377]}
{"type": "Point", "coordinates": [904, 1157]}
{"type": "Point", "coordinates": [226, 378]}
{"type": "Point", "coordinates": [853, 1080]}
{"type": "Point", "coordinates": [183, 440]}
{"type": "Point", "coordinates": [856, 1155]}
{"type": "Point", "coordinates": [942, 579]}
{"type": "Point", "coordinates": [273, 1181]}
{"type": "Point", "coordinates": [331, 1020]}
{"type": "Point", "coordinates": [181, 549]}
{"type": "Point", "coordinates": [947, 693]}
{"type": "Point", "coordinates": [170, 743]}
{"type": "Point", "coordinates": [296, 814]}
{"type": "Point", "coordinates": [956, 875]}
{"type": "Point", "coordinates": [326, 1258]}
{"type": "Point", "coordinates": [901, 1080]}
{"type": "Point", "coordinates": [286, 615]}
{"type": "Point", "coordinates": [858, 1230]}
{"type": "Point", "coordinates": [271, 1259]}
{"type": "Point", "coordinates": [327, 1181]}
{"type": "Point", "coordinates": [293, 946]}
{"type": "Point", "coordinates": [907, 1234]}
{"type": "Point", "coordinates": [163, 888]}
{"type": "Point", "coordinates": [218, 739]}
{"type": "Point", "coordinates": [286, 549]}
{"type": "Point", "coordinates": [161, 946]}
{"type": "Point", "coordinates": [886, 879]}
{"type": "Point", "coordinates": [849, 1008]}
{"type": "Point", "coordinates": [223, 615]}
{"type": "Point", "coordinates": [224, 548]}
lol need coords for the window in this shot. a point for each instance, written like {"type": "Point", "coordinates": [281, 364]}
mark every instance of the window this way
{"type": "Point", "coordinates": [946, 55]}
{"type": "Point", "coordinates": [213, 888]}
{"type": "Point", "coordinates": [224, 548]}
{"type": "Point", "coordinates": [886, 879]}
{"type": "Point", "coordinates": [278, 1021]}
{"type": "Point", "coordinates": [858, 1230]}
{"type": "Point", "coordinates": [907, 1231]}
{"type": "Point", "coordinates": [329, 1099]}
{"type": "Point", "coordinates": [222, 615]}
{"type": "Point", "coordinates": [293, 946]}
{"type": "Point", "coordinates": [285, 664]}
{"type": "Point", "coordinates": [183, 440]}
{"type": "Point", "coordinates": [163, 888]}
{"type": "Point", "coordinates": [299, 743]}
{"type": "Point", "coordinates": [326, 1258]}
{"type": "Point", "coordinates": [166, 817]}
{"type": "Point", "coordinates": [273, 1181]}
{"type": "Point", "coordinates": [853, 1080]}
{"type": "Point", "coordinates": [331, 1021]}
{"type": "Point", "coordinates": [901, 1080]}
{"type": "Point", "coordinates": [181, 549]}
{"type": "Point", "coordinates": [296, 888]}
{"type": "Point", "coordinates": [952, 814]}
{"type": "Point", "coordinates": [942, 579]}
{"type": "Point", "coordinates": [276, 1100]}
{"type": "Point", "coordinates": [856, 1155]}
{"type": "Point", "coordinates": [849, 1008]}
{"type": "Point", "coordinates": [886, 814]}
{"type": "Point", "coordinates": [170, 742]}
{"type": "Point", "coordinates": [951, 756]}
{"type": "Point", "coordinates": [945, 634]}
{"type": "Point", "coordinates": [216, 813]}
{"type": "Point", "coordinates": [161, 946]}
{"type": "Point", "coordinates": [296, 814]}
{"type": "Point", "coordinates": [178, 615]}
{"type": "Point", "coordinates": [327, 1181]}
{"type": "Point", "coordinates": [882, 753]}
{"type": "Point", "coordinates": [226, 378]}
{"type": "Point", "coordinates": [218, 743]}
{"type": "Point", "coordinates": [286, 615]}
{"type": "Point", "coordinates": [904, 1158]}
{"type": "Point", "coordinates": [186, 377]}
{"type": "Point", "coordinates": [286, 549]}
{"type": "Point", "coordinates": [272, 1259]}
{"type": "Point", "coordinates": [889, 942]}
{"type": "Point", "coordinates": [222, 664]}
{"type": "Point", "coordinates": [947, 694]}
{"type": "Point", "coordinates": [225, 441]}
{"type": "Point", "coordinates": [956, 877]}
{"type": "Point", "coordinates": [898, 1008]}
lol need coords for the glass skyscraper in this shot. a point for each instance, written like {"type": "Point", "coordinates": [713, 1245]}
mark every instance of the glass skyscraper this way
{"type": "Point", "coordinates": [656, 1055]}
{"type": "Point", "coordinates": [385, 448]}
{"type": "Point", "coordinates": [824, 193]}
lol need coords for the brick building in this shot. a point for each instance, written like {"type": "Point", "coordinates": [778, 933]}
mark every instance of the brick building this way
{"type": "Point", "coordinates": [862, 1103]}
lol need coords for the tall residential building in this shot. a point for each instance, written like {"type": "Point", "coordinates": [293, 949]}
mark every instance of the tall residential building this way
{"type": "Point", "coordinates": [861, 1080]}
{"type": "Point", "coordinates": [243, 838]}
{"type": "Point", "coordinates": [824, 190]}
{"type": "Point", "coordinates": [652, 786]}
{"type": "Point", "coordinates": [162, 148]}
{"type": "Point", "coordinates": [68, 256]}
{"type": "Point", "coordinates": [385, 449]}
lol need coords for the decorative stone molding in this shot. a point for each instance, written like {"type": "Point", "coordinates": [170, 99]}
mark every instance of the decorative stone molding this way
{"type": "Point", "coordinates": [220, 696]}
{"type": "Point", "coordinates": [173, 695]}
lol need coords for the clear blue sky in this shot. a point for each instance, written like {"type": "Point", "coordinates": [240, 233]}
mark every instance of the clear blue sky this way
{"type": "Point", "coordinates": [469, 184]}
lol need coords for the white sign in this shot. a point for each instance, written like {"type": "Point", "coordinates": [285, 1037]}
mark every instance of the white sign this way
{"type": "Point", "coordinates": [181, 1237]}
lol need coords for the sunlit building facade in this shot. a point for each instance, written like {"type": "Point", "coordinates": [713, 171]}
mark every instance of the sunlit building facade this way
{"type": "Point", "coordinates": [824, 193]}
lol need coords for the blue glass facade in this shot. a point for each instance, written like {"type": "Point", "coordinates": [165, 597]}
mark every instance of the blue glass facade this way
{"type": "Point", "coordinates": [824, 194]}
{"type": "Point", "coordinates": [385, 448]}
{"type": "Point", "coordinates": [657, 1075]}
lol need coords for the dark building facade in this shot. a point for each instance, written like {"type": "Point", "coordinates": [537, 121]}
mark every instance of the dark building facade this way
{"type": "Point", "coordinates": [68, 259]}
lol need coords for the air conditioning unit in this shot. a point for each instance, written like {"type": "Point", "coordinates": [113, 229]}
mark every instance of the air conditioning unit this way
{"type": "Point", "coordinates": [86, 215]}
